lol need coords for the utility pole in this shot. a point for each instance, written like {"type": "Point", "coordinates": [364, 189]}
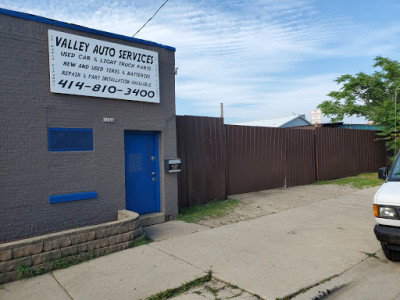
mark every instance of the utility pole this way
{"type": "Point", "coordinates": [222, 111]}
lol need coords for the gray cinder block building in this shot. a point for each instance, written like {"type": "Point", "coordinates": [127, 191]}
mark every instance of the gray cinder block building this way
{"type": "Point", "coordinates": [87, 121]}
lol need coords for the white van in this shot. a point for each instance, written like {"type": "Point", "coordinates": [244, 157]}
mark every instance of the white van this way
{"type": "Point", "coordinates": [387, 211]}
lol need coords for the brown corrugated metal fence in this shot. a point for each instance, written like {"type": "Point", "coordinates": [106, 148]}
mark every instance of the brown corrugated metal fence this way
{"type": "Point", "coordinates": [345, 152]}
{"type": "Point", "coordinates": [220, 160]}
{"type": "Point", "coordinates": [202, 149]}
{"type": "Point", "coordinates": [300, 157]}
{"type": "Point", "coordinates": [256, 158]}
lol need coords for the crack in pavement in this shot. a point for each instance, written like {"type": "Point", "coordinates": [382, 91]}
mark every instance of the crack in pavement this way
{"type": "Point", "coordinates": [59, 283]}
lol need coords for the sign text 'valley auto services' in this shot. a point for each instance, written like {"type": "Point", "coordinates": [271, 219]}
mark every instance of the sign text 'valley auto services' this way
{"type": "Point", "coordinates": [91, 67]}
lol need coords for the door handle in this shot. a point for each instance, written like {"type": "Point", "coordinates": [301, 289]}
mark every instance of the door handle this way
{"type": "Point", "coordinates": [153, 173]}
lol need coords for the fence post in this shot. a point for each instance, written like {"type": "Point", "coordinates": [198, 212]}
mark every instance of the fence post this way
{"type": "Point", "coordinates": [316, 154]}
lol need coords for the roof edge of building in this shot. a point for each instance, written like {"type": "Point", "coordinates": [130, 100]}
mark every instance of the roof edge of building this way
{"type": "Point", "coordinates": [44, 20]}
{"type": "Point", "coordinates": [293, 115]}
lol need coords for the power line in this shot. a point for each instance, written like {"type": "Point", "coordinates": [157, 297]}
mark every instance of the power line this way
{"type": "Point", "coordinates": [150, 18]}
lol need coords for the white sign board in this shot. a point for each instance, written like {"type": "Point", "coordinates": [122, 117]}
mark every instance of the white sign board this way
{"type": "Point", "coordinates": [90, 67]}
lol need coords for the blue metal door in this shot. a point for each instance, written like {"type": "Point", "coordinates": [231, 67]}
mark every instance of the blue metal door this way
{"type": "Point", "coordinates": [141, 172]}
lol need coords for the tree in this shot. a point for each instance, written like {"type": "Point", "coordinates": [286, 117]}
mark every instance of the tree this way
{"type": "Point", "coordinates": [369, 96]}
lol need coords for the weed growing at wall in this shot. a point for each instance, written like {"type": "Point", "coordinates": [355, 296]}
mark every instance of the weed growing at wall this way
{"type": "Point", "coordinates": [49, 265]}
{"type": "Point", "coordinates": [28, 272]}
{"type": "Point", "coordinates": [141, 241]}
{"type": "Point", "coordinates": [25, 272]}
{"type": "Point", "coordinates": [66, 262]}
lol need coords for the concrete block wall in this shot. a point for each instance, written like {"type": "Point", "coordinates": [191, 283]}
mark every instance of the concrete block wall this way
{"type": "Point", "coordinates": [40, 254]}
{"type": "Point", "coordinates": [29, 173]}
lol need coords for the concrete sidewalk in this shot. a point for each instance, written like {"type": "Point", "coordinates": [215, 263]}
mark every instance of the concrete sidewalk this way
{"type": "Point", "coordinates": [130, 274]}
{"type": "Point", "coordinates": [134, 273]}
{"type": "Point", "coordinates": [272, 256]}
{"type": "Point", "coordinates": [374, 278]}
{"type": "Point", "coordinates": [279, 254]}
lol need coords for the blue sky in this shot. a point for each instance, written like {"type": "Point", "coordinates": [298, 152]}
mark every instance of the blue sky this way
{"type": "Point", "coordinates": [261, 58]}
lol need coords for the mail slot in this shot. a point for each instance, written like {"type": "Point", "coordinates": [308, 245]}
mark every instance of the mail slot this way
{"type": "Point", "coordinates": [172, 165]}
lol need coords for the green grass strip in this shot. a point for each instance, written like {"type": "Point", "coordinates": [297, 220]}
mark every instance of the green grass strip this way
{"type": "Point", "coordinates": [183, 288]}
{"type": "Point", "coordinates": [359, 182]}
{"type": "Point", "coordinates": [194, 214]}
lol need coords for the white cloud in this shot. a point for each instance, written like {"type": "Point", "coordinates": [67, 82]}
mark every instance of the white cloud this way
{"type": "Point", "coordinates": [301, 96]}
{"type": "Point", "coordinates": [244, 54]}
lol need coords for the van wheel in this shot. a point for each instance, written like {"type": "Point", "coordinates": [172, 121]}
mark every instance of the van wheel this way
{"type": "Point", "coordinates": [391, 255]}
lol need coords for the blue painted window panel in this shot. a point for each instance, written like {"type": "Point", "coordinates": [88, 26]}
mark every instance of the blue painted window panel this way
{"type": "Point", "coordinates": [72, 197]}
{"type": "Point", "coordinates": [70, 139]}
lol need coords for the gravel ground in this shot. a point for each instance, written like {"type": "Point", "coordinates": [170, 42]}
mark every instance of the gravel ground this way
{"type": "Point", "coordinates": [258, 204]}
